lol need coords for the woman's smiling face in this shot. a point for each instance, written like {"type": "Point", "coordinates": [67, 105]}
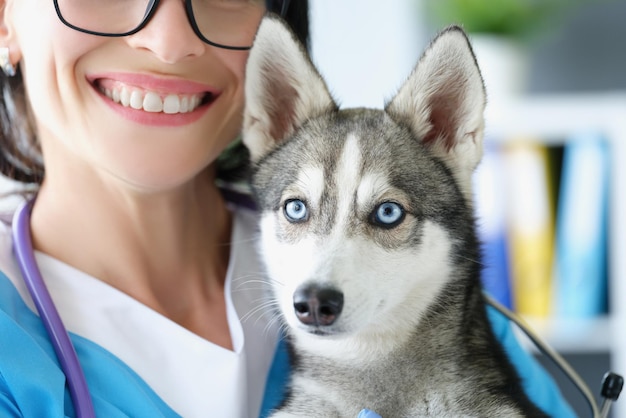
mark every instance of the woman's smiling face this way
{"type": "Point", "coordinates": [151, 109]}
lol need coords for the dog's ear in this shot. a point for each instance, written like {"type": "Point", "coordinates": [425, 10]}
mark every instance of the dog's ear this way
{"type": "Point", "coordinates": [443, 103]}
{"type": "Point", "coordinates": [282, 88]}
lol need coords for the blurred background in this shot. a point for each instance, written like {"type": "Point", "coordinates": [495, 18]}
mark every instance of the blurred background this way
{"type": "Point", "coordinates": [366, 48]}
{"type": "Point", "coordinates": [555, 72]}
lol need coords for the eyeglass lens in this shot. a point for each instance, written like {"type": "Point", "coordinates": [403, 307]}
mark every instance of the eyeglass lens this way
{"type": "Point", "coordinates": [225, 22]}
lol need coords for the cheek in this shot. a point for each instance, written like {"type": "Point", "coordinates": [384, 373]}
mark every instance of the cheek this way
{"type": "Point", "coordinates": [289, 263]}
{"type": "Point", "coordinates": [234, 61]}
{"type": "Point", "coordinates": [398, 285]}
{"type": "Point", "coordinates": [49, 55]}
{"type": "Point", "coordinates": [232, 67]}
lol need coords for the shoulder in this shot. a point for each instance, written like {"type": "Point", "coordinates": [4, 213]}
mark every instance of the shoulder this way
{"type": "Point", "coordinates": [32, 382]}
{"type": "Point", "coordinates": [9, 270]}
{"type": "Point", "coordinates": [30, 378]}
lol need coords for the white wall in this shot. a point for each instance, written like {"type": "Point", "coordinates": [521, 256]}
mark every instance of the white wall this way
{"type": "Point", "coordinates": [365, 49]}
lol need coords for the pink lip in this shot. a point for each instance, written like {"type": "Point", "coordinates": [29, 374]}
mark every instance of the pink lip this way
{"type": "Point", "coordinates": [159, 85]}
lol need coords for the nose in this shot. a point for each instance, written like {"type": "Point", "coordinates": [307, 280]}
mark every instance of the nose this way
{"type": "Point", "coordinates": [169, 34]}
{"type": "Point", "coordinates": [317, 305]}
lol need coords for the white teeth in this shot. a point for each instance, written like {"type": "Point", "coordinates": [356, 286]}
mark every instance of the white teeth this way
{"type": "Point", "coordinates": [125, 97]}
{"type": "Point", "coordinates": [153, 102]}
{"type": "Point", "coordinates": [184, 104]}
{"type": "Point", "coordinates": [171, 104]}
{"type": "Point", "coordinates": [136, 100]}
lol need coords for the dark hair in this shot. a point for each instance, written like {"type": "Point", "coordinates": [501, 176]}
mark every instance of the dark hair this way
{"type": "Point", "coordinates": [233, 162]}
{"type": "Point", "coordinates": [297, 16]}
{"type": "Point", "coordinates": [20, 156]}
{"type": "Point", "coordinates": [20, 152]}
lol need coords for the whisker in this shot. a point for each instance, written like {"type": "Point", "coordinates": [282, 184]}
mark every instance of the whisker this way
{"type": "Point", "coordinates": [283, 328]}
{"type": "Point", "coordinates": [480, 263]}
{"type": "Point", "coordinates": [262, 282]}
{"type": "Point", "coordinates": [262, 309]}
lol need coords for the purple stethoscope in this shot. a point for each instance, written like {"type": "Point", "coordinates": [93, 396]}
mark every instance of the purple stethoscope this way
{"type": "Point", "coordinates": [60, 339]}
{"type": "Point", "coordinates": [63, 347]}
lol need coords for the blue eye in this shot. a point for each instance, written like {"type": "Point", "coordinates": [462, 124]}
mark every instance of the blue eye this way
{"type": "Point", "coordinates": [296, 211]}
{"type": "Point", "coordinates": [388, 215]}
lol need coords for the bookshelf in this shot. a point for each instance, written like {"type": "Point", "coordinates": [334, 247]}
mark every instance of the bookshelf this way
{"type": "Point", "coordinates": [559, 116]}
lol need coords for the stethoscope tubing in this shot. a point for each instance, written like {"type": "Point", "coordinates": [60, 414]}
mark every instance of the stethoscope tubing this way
{"type": "Point", "coordinates": [63, 347]}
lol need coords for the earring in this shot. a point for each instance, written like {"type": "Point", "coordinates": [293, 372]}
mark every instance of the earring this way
{"type": "Point", "coordinates": [5, 62]}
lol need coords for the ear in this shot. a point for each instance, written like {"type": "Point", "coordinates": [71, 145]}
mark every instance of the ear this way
{"type": "Point", "coordinates": [3, 18]}
{"type": "Point", "coordinates": [282, 88]}
{"type": "Point", "coordinates": [443, 103]}
{"type": "Point", "coordinates": [7, 35]}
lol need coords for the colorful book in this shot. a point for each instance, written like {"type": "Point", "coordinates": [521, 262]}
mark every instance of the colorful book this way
{"type": "Point", "coordinates": [530, 219]}
{"type": "Point", "coordinates": [489, 191]}
{"type": "Point", "coordinates": [581, 234]}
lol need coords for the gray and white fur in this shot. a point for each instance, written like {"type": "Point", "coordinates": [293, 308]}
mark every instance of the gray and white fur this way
{"type": "Point", "coordinates": [368, 237]}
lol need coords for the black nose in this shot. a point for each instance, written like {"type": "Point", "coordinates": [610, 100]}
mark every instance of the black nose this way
{"type": "Point", "coordinates": [317, 305]}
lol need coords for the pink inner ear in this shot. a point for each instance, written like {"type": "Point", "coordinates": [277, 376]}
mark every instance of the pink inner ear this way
{"type": "Point", "coordinates": [280, 102]}
{"type": "Point", "coordinates": [445, 109]}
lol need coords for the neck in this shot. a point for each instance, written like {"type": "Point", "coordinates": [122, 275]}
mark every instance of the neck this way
{"type": "Point", "coordinates": [168, 250]}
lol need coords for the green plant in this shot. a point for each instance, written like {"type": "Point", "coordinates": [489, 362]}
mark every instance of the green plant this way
{"type": "Point", "coordinates": [503, 17]}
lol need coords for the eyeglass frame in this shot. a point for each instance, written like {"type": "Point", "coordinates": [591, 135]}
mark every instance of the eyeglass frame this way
{"type": "Point", "coordinates": [151, 10]}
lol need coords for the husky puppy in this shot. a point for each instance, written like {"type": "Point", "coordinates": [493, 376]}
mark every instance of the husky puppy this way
{"type": "Point", "coordinates": [368, 236]}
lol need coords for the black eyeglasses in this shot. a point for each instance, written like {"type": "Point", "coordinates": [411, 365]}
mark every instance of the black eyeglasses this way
{"type": "Point", "coordinates": [229, 24]}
